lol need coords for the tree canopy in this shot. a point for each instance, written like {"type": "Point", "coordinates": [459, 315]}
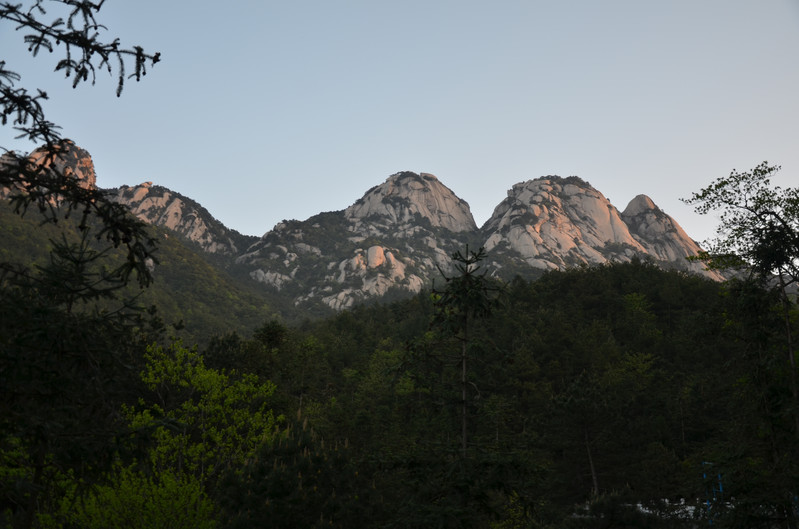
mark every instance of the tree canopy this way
{"type": "Point", "coordinates": [759, 222]}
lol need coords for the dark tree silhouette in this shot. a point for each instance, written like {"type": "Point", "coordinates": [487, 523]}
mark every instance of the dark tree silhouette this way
{"type": "Point", "coordinates": [67, 347]}
{"type": "Point", "coordinates": [71, 27]}
{"type": "Point", "coordinates": [465, 297]}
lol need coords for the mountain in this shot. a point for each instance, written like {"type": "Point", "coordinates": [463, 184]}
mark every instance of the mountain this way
{"type": "Point", "coordinates": [64, 158]}
{"type": "Point", "coordinates": [390, 242]}
{"type": "Point", "coordinates": [152, 204]}
{"type": "Point", "coordinates": [554, 223]}
{"type": "Point", "coordinates": [399, 236]}
{"type": "Point", "coordinates": [162, 207]}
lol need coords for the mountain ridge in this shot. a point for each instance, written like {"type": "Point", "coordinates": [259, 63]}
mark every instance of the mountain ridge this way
{"type": "Point", "coordinates": [399, 236]}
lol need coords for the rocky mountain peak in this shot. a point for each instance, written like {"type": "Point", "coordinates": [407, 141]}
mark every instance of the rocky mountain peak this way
{"type": "Point", "coordinates": [68, 159]}
{"type": "Point", "coordinates": [408, 198]}
{"type": "Point", "coordinates": [64, 157]}
{"type": "Point", "coordinates": [392, 240]}
{"type": "Point", "coordinates": [553, 222]}
{"type": "Point", "coordinates": [401, 234]}
{"type": "Point", "coordinates": [661, 236]}
{"type": "Point", "coordinates": [162, 207]}
{"type": "Point", "coordinates": [638, 205]}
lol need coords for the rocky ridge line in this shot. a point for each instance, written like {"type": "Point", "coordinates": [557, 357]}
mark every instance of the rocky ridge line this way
{"type": "Point", "coordinates": [399, 235]}
{"type": "Point", "coordinates": [160, 206]}
{"type": "Point", "coordinates": [553, 222]}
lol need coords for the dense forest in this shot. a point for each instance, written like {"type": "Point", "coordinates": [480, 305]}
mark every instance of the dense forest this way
{"type": "Point", "coordinates": [143, 385]}
{"type": "Point", "coordinates": [614, 396]}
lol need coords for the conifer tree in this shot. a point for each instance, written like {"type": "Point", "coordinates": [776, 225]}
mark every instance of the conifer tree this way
{"type": "Point", "coordinates": [466, 297]}
{"type": "Point", "coordinates": [65, 338]}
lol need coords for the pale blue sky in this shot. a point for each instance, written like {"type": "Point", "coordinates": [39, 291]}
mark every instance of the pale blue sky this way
{"type": "Point", "coordinates": [263, 111]}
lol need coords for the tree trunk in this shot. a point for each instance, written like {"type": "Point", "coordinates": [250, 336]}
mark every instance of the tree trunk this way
{"type": "Point", "coordinates": [594, 478]}
{"type": "Point", "coordinates": [27, 521]}
{"type": "Point", "coordinates": [464, 443]}
{"type": "Point", "coordinates": [786, 311]}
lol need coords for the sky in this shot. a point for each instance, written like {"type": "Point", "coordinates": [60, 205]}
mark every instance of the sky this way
{"type": "Point", "coordinates": [263, 111]}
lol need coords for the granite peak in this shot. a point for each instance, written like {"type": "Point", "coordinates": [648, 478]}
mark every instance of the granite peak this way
{"type": "Point", "coordinates": [399, 236]}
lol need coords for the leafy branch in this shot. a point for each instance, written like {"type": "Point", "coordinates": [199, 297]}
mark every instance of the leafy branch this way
{"type": "Point", "coordinates": [759, 223]}
{"type": "Point", "coordinates": [42, 183]}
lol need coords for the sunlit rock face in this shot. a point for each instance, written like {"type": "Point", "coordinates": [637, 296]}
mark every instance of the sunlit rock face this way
{"type": "Point", "coordinates": [407, 200]}
{"type": "Point", "coordinates": [661, 236]}
{"type": "Point", "coordinates": [555, 223]}
{"type": "Point", "coordinates": [658, 233]}
{"type": "Point", "coordinates": [65, 158]}
{"type": "Point", "coordinates": [70, 160]}
{"type": "Point", "coordinates": [400, 235]}
{"type": "Point", "coordinates": [161, 207]}
{"type": "Point", "coordinates": [393, 239]}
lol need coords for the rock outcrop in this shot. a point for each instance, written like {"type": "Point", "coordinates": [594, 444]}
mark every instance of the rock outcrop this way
{"type": "Point", "coordinates": [162, 207]}
{"type": "Point", "coordinates": [64, 158]}
{"type": "Point", "coordinates": [407, 200]}
{"type": "Point", "coordinates": [554, 222]}
{"type": "Point", "coordinates": [392, 240]}
{"type": "Point", "coordinates": [558, 222]}
{"type": "Point", "coordinates": [398, 237]}
{"type": "Point", "coordinates": [400, 234]}
{"type": "Point", "coordinates": [69, 160]}
{"type": "Point", "coordinates": [659, 234]}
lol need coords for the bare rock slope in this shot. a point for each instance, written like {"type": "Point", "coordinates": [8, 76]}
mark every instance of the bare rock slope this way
{"type": "Point", "coordinates": [554, 223]}
{"type": "Point", "coordinates": [390, 241]}
{"type": "Point", "coordinates": [406, 200]}
{"type": "Point", "coordinates": [162, 207]}
{"type": "Point", "coordinates": [400, 235]}
{"type": "Point", "coordinates": [64, 158]}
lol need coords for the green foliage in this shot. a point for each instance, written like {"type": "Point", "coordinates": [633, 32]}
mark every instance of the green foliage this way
{"type": "Point", "coordinates": [206, 300]}
{"type": "Point", "coordinates": [759, 231]}
{"type": "Point", "coordinates": [466, 297]}
{"type": "Point", "coordinates": [133, 500]}
{"type": "Point", "coordinates": [759, 223]}
{"type": "Point", "coordinates": [68, 353]}
{"type": "Point", "coordinates": [297, 480]}
{"type": "Point", "coordinates": [202, 421]}
{"type": "Point", "coordinates": [442, 489]}
{"type": "Point", "coordinates": [593, 397]}
{"type": "Point", "coordinates": [56, 196]}
{"type": "Point", "coordinates": [466, 294]}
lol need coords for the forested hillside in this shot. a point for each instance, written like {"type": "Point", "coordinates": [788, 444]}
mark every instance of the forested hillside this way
{"type": "Point", "coordinates": [191, 291]}
{"type": "Point", "coordinates": [144, 385]}
{"type": "Point", "coordinates": [589, 392]}
{"type": "Point", "coordinates": [595, 397]}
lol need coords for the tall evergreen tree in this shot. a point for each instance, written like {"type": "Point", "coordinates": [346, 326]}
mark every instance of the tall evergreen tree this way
{"type": "Point", "coordinates": [466, 297]}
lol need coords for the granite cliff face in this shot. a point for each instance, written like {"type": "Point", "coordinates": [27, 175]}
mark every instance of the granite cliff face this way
{"type": "Point", "coordinates": [398, 237]}
{"type": "Point", "coordinates": [407, 200]}
{"type": "Point", "coordinates": [553, 223]}
{"type": "Point", "coordinates": [659, 234]}
{"type": "Point", "coordinates": [152, 204]}
{"type": "Point", "coordinates": [390, 241]}
{"type": "Point", "coordinates": [65, 158]}
{"type": "Point", "coordinates": [69, 160]}
{"type": "Point", "coordinates": [159, 206]}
